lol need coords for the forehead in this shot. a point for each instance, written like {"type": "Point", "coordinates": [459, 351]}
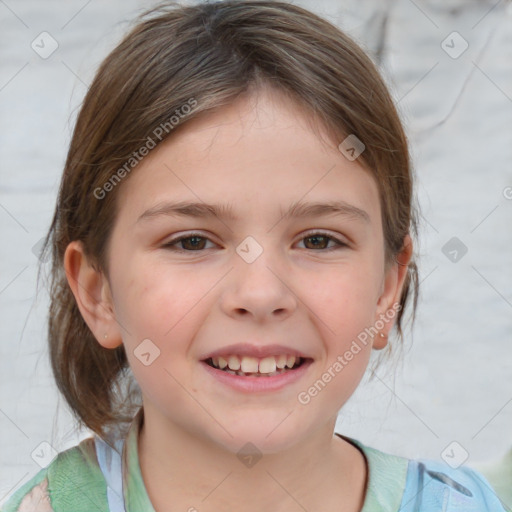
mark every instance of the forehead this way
{"type": "Point", "coordinates": [259, 153]}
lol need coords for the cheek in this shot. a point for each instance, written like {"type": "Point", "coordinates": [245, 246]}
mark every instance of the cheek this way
{"type": "Point", "coordinates": [155, 297]}
{"type": "Point", "coordinates": [166, 306]}
{"type": "Point", "coordinates": [344, 301]}
{"type": "Point", "coordinates": [157, 307]}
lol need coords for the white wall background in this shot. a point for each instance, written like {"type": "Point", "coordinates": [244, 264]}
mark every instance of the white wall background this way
{"type": "Point", "coordinates": [455, 383]}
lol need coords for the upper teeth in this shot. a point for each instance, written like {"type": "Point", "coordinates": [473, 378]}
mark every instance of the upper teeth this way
{"type": "Point", "coordinates": [249, 364]}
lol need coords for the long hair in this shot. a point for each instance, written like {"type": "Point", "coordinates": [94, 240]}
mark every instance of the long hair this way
{"type": "Point", "coordinates": [211, 53]}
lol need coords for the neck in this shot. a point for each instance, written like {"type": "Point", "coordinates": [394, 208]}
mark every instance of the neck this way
{"type": "Point", "coordinates": [194, 473]}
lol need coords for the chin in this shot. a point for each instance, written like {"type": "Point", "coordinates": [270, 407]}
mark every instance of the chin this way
{"type": "Point", "coordinates": [261, 436]}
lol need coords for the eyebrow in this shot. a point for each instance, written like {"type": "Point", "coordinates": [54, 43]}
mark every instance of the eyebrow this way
{"type": "Point", "coordinates": [224, 211]}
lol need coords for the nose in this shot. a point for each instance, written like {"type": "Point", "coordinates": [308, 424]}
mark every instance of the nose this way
{"type": "Point", "coordinates": [261, 290]}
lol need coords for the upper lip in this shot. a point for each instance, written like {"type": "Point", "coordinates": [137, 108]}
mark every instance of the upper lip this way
{"type": "Point", "coordinates": [257, 351]}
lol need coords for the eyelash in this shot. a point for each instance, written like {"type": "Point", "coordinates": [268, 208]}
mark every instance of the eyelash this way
{"type": "Point", "coordinates": [339, 244]}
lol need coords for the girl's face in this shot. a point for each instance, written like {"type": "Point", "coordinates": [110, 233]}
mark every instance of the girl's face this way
{"type": "Point", "coordinates": [249, 279]}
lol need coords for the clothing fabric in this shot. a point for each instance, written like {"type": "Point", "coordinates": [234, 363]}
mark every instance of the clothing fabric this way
{"type": "Point", "coordinates": [97, 477]}
{"type": "Point", "coordinates": [499, 474]}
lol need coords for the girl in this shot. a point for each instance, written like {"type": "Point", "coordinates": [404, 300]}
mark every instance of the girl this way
{"type": "Point", "coordinates": [232, 238]}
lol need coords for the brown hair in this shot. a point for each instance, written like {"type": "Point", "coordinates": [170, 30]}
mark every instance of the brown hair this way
{"type": "Point", "coordinates": [213, 53]}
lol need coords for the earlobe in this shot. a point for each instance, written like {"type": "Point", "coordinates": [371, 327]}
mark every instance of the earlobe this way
{"type": "Point", "coordinates": [93, 296]}
{"type": "Point", "coordinates": [380, 340]}
{"type": "Point", "coordinates": [389, 301]}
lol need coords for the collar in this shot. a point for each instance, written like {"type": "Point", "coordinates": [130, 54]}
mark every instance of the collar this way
{"type": "Point", "coordinates": [387, 476]}
{"type": "Point", "coordinates": [135, 495]}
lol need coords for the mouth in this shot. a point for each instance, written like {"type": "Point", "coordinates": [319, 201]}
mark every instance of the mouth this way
{"type": "Point", "coordinates": [248, 366]}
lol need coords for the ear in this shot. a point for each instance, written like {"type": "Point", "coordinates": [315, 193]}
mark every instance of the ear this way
{"type": "Point", "coordinates": [93, 296]}
{"type": "Point", "coordinates": [391, 292]}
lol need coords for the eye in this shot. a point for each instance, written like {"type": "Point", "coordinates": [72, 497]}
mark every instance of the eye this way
{"type": "Point", "coordinates": [191, 242]}
{"type": "Point", "coordinates": [196, 242]}
{"type": "Point", "coordinates": [320, 240]}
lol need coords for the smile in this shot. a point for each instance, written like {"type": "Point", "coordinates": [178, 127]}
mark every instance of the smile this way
{"type": "Point", "coordinates": [264, 375]}
{"type": "Point", "coordinates": [256, 367]}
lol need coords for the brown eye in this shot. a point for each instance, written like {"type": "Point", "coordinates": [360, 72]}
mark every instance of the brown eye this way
{"type": "Point", "coordinates": [193, 242]}
{"type": "Point", "coordinates": [321, 241]}
{"type": "Point", "coordinates": [188, 243]}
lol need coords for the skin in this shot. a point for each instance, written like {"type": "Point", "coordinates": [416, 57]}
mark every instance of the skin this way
{"type": "Point", "coordinates": [297, 293]}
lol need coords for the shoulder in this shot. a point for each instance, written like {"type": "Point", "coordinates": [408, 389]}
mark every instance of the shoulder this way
{"type": "Point", "coordinates": [437, 486]}
{"type": "Point", "coordinates": [499, 474]}
{"type": "Point", "coordinates": [72, 481]}
{"type": "Point", "coordinates": [425, 485]}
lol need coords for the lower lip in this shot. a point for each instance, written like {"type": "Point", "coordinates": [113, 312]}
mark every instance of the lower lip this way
{"type": "Point", "coordinates": [258, 384]}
